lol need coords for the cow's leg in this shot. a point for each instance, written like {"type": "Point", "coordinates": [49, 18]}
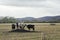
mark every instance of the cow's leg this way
{"type": "Point", "coordinates": [33, 29]}
{"type": "Point", "coordinates": [29, 28]}
{"type": "Point", "coordinates": [20, 27]}
{"type": "Point", "coordinates": [17, 27]}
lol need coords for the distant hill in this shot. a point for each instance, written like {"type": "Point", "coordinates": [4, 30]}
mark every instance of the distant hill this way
{"type": "Point", "coordinates": [49, 18]}
{"type": "Point", "coordinates": [52, 19]}
{"type": "Point", "coordinates": [46, 19]}
{"type": "Point", "coordinates": [26, 19]}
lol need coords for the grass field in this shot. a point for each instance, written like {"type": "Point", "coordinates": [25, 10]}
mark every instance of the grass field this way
{"type": "Point", "coordinates": [45, 32]}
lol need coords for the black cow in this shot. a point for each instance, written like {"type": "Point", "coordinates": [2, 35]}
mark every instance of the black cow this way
{"type": "Point", "coordinates": [13, 26]}
{"type": "Point", "coordinates": [30, 26]}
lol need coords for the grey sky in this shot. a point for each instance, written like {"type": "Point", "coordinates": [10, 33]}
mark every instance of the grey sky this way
{"type": "Point", "coordinates": [29, 8]}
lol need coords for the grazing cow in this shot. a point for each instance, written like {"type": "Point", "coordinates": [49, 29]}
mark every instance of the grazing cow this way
{"type": "Point", "coordinates": [22, 26]}
{"type": "Point", "coordinates": [13, 26]}
{"type": "Point", "coordinates": [30, 26]}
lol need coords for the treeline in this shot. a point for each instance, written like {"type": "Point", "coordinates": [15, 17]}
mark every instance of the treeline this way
{"type": "Point", "coordinates": [14, 20]}
{"type": "Point", "coordinates": [8, 20]}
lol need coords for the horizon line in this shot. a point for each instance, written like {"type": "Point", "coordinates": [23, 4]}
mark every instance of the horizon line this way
{"type": "Point", "coordinates": [28, 16]}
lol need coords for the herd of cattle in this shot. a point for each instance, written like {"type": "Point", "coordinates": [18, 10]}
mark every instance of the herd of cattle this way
{"type": "Point", "coordinates": [22, 26]}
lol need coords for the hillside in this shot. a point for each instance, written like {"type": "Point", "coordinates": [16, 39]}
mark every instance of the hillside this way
{"type": "Point", "coordinates": [45, 19]}
{"type": "Point", "coordinates": [52, 19]}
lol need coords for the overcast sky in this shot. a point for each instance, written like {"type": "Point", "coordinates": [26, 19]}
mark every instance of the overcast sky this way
{"type": "Point", "coordinates": [29, 8]}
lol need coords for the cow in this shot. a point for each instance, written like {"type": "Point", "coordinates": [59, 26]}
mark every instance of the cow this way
{"type": "Point", "coordinates": [13, 26]}
{"type": "Point", "coordinates": [22, 26]}
{"type": "Point", "coordinates": [30, 27]}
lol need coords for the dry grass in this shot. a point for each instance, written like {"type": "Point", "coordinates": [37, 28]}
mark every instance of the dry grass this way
{"type": "Point", "coordinates": [46, 32]}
